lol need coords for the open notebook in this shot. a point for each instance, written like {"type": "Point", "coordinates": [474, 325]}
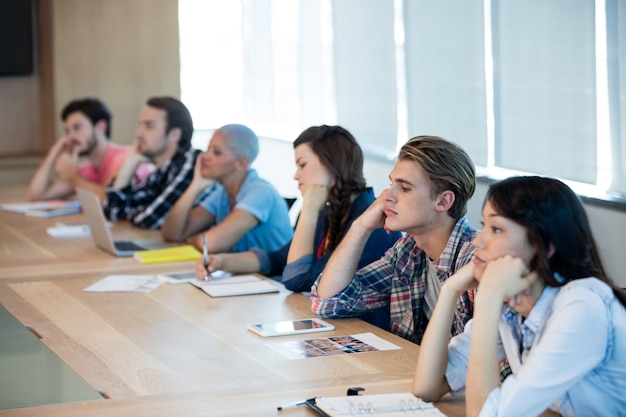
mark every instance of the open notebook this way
{"type": "Point", "coordinates": [102, 235]}
{"type": "Point", "coordinates": [386, 405]}
{"type": "Point", "coordinates": [236, 285]}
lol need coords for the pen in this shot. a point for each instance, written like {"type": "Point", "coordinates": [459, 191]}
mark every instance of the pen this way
{"type": "Point", "coordinates": [103, 394]}
{"type": "Point", "coordinates": [205, 253]}
{"type": "Point", "coordinates": [296, 404]}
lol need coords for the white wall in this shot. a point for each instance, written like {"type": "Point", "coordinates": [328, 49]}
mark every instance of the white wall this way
{"type": "Point", "coordinates": [275, 163]}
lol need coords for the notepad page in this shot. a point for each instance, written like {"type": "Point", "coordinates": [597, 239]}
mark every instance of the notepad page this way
{"type": "Point", "coordinates": [236, 285]}
{"type": "Point", "coordinates": [395, 404]}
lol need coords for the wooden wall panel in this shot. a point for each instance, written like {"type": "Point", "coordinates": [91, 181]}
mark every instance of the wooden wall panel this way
{"type": "Point", "coordinates": [19, 115]}
{"type": "Point", "coordinates": [122, 51]}
{"type": "Point", "coordinates": [26, 109]}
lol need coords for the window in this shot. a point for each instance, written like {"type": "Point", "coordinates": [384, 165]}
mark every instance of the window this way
{"type": "Point", "coordinates": [522, 85]}
{"type": "Point", "coordinates": [267, 64]}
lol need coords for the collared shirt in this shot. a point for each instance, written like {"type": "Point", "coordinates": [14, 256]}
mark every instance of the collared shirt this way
{"type": "Point", "coordinates": [147, 203]}
{"type": "Point", "coordinates": [568, 355]}
{"type": "Point", "coordinates": [261, 200]}
{"type": "Point", "coordinates": [398, 281]}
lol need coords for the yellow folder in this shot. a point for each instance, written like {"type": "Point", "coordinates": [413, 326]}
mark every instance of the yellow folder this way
{"type": "Point", "coordinates": [175, 254]}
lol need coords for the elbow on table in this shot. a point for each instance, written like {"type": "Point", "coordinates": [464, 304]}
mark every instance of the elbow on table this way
{"type": "Point", "coordinates": [169, 233]}
{"type": "Point", "coordinates": [428, 391]}
{"type": "Point", "coordinates": [297, 285]}
{"type": "Point", "coordinates": [169, 236]}
{"type": "Point", "coordinates": [326, 313]}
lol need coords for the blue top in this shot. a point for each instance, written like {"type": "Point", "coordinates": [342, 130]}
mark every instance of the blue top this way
{"type": "Point", "coordinates": [259, 198]}
{"type": "Point", "coordinates": [300, 274]}
{"type": "Point", "coordinates": [569, 354]}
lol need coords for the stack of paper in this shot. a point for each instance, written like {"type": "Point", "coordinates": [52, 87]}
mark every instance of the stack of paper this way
{"type": "Point", "coordinates": [70, 230]}
{"type": "Point", "coordinates": [52, 208]}
{"type": "Point", "coordinates": [125, 283]}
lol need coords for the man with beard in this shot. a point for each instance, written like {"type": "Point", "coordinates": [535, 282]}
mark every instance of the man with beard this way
{"type": "Point", "coordinates": [163, 138]}
{"type": "Point", "coordinates": [84, 156]}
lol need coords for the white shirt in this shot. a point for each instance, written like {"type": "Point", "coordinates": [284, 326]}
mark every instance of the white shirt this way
{"type": "Point", "coordinates": [571, 351]}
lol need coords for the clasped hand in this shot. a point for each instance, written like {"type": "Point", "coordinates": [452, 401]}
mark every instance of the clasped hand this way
{"type": "Point", "coordinates": [204, 271]}
{"type": "Point", "coordinates": [374, 217]}
{"type": "Point", "coordinates": [66, 158]}
{"type": "Point", "coordinates": [314, 197]}
{"type": "Point", "coordinates": [506, 278]}
{"type": "Point", "coordinates": [199, 181]}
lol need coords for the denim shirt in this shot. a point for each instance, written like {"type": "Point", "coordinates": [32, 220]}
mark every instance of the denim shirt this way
{"type": "Point", "coordinates": [569, 355]}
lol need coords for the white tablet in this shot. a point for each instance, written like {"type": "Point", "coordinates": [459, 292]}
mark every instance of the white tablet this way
{"type": "Point", "coordinates": [178, 277]}
{"type": "Point", "coordinates": [284, 328]}
{"type": "Point", "coordinates": [188, 276]}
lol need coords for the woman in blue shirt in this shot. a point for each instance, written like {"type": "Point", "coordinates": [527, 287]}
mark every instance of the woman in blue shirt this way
{"type": "Point", "coordinates": [329, 171]}
{"type": "Point", "coordinates": [544, 308]}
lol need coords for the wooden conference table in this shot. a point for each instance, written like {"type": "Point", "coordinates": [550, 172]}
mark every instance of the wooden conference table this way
{"type": "Point", "coordinates": [174, 350]}
{"type": "Point", "coordinates": [171, 351]}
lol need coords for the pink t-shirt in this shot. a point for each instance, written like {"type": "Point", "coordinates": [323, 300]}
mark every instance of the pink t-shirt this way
{"type": "Point", "coordinates": [113, 160]}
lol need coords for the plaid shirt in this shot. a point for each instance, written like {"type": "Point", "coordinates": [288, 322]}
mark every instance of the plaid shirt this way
{"type": "Point", "coordinates": [398, 281]}
{"type": "Point", "coordinates": [147, 203]}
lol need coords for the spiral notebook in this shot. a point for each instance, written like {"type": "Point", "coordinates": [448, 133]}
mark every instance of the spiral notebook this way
{"type": "Point", "coordinates": [385, 405]}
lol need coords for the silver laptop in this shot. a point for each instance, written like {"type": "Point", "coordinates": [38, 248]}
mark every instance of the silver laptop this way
{"type": "Point", "coordinates": [101, 234]}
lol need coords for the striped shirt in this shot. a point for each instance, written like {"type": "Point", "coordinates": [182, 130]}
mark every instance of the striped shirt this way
{"type": "Point", "coordinates": [398, 281]}
{"type": "Point", "coordinates": [147, 203]}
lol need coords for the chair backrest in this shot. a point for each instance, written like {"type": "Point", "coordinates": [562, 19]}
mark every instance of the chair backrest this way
{"type": "Point", "coordinates": [294, 204]}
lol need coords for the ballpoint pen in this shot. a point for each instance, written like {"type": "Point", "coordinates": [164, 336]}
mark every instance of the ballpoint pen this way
{"type": "Point", "coordinates": [291, 405]}
{"type": "Point", "coordinates": [205, 253]}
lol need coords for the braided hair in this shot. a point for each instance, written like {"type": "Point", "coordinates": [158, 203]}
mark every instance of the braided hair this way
{"type": "Point", "coordinates": [338, 151]}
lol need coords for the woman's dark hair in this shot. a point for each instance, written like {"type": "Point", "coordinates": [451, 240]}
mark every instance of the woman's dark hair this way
{"type": "Point", "coordinates": [553, 217]}
{"type": "Point", "coordinates": [338, 151]}
{"type": "Point", "coordinates": [177, 116]}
